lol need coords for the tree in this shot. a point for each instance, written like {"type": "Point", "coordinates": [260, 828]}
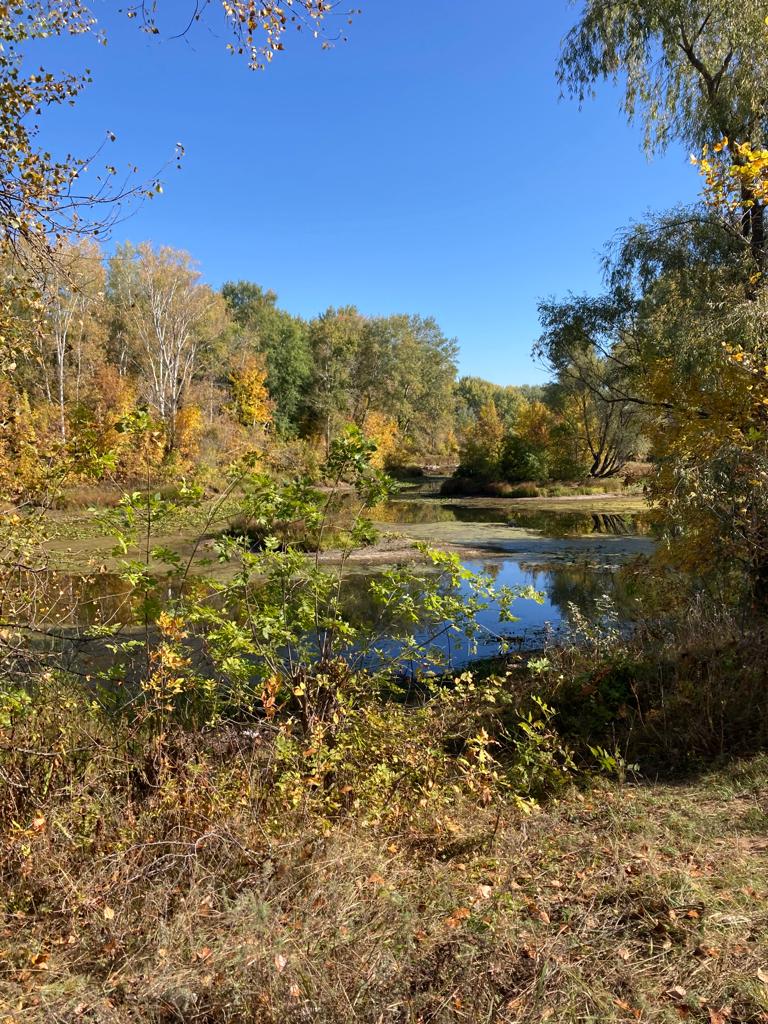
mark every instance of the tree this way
{"type": "Point", "coordinates": [691, 70]}
{"type": "Point", "coordinates": [282, 339]}
{"type": "Point", "coordinates": [400, 366]}
{"type": "Point", "coordinates": [169, 317]}
{"type": "Point", "coordinates": [472, 393]}
{"type": "Point", "coordinates": [72, 287]}
{"type": "Point", "coordinates": [251, 397]}
{"type": "Point", "coordinates": [42, 198]}
{"type": "Point", "coordinates": [418, 381]}
{"type": "Point", "coordinates": [587, 343]}
{"type": "Point", "coordinates": [483, 445]}
{"type": "Point", "coordinates": [334, 338]}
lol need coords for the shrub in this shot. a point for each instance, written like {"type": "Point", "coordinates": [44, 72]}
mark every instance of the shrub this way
{"type": "Point", "coordinates": [524, 462]}
{"type": "Point", "coordinates": [670, 701]}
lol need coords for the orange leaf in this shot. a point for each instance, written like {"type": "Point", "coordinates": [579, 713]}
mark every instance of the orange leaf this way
{"type": "Point", "coordinates": [460, 914]}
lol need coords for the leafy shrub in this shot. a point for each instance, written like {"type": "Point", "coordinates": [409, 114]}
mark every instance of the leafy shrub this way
{"type": "Point", "coordinates": [522, 461]}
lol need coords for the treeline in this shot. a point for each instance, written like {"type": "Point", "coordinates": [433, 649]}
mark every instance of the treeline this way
{"type": "Point", "coordinates": [222, 372]}
{"type": "Point", "coordinates": [218, 372]}
{"type": "Point", "coordinates": [565, 430]}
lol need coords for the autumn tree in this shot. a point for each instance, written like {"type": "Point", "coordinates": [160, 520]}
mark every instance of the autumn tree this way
{"type": "Point", "coordinates": [483, 445]}
{"type": "Point", "coordinates": [253, 405]}
{"type": "Point", "coordinates": [283, 341]}
{"type": "Point", "coordinates": [170, 318]}
{"type": "Point", "coordinates": [472, 393]}
{"type": "Point", "coordinates": [44, 198]}
{"type": "Point", "coordinates": [70, 344]}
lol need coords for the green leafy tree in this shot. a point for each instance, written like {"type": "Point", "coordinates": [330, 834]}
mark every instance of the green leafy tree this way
{"type": "Point", "coordinates": [691, 70]}
{"type": "Point", "coordinates": [282, 339]}
{"type": "Point", "coordinates": [335, 338]}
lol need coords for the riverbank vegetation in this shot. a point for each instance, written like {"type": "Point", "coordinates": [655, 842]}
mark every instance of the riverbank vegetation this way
{"type": "Point", "coordinates": [241, 796]}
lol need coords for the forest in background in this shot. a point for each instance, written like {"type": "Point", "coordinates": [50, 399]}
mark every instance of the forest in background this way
{"type": "Point", "coordinates": [225, 373]}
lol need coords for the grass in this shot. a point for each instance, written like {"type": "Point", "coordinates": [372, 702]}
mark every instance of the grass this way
{"type": "Point", "coordinates": [462, 486]}
{"type": "Point", "coordinates": [636, 903]}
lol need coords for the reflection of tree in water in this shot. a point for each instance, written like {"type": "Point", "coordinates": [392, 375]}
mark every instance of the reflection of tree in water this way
{"type": "Point", "coordinates": [553, 524]}
{"type": "Point", "coordinates": [72, 599]}
{"type": "Point", "coordinates": [550, 523]}
{"type": "Point", "coordinates": [412, 512]}
{"type": "Point", "coordinates": [617, 525]}
{"type": "Point", "coordinates": [582, 585]}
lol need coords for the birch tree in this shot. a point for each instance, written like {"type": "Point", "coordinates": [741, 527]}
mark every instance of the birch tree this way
{"type": "Point", "coordinates": [171, 319]}
{"type": "Point", "coordinates": [72, 290]}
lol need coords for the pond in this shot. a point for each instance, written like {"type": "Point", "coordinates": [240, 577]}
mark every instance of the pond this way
{"type": "Point", "coordinates": [569, 552]}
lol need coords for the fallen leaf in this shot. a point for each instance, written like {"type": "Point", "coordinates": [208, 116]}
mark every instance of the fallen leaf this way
{"type": "Point", "coordinates": [538, 913]}
{"type": "Point", "coordinates": [281, 962]}
{"type": "Point", "coordinates": [677, 992]}
{"type": "Point", "coordinates": [708, 951]}
{"type": "Point", "coordinates": [460, 914]}
{"type": "Point", "coordinates": [109, 914]}
{"type": "Point", "coordinates": [623, 953]}
{"type": "Point", "coordinates": [762, 975]}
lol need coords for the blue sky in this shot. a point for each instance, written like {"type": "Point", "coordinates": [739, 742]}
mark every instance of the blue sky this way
{"type": "Point", "coordinates": [427, 165]}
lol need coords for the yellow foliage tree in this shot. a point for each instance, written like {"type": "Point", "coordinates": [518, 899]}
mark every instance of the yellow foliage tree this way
{"type": "Point", "coordinates": [253, 406]}
{"type": "Point", "coordinates": [482, 450]}
{"type": "Point", "coordinates": [382, 430]}
{"type": "Point", "coordinates": [189, 427]}
{"type": "Point", "coordinates": [534, 423]}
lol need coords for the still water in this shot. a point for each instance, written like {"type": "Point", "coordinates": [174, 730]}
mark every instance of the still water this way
{"type": "Point", "coordinates": [571, 557]}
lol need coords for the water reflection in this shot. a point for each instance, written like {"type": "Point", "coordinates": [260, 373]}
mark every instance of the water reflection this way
{"type": "Point", "coordinates": [572, 577]}
{"type": "Point", "coordinates": [76, 604]}
{"type": "Point", "coordinates": [554, 524]}
{"type": "Point", "coordinates": [566, 591]}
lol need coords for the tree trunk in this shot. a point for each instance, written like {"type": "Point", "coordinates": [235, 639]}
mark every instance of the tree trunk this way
{"type": "Point", "coordinates": [757, 236]}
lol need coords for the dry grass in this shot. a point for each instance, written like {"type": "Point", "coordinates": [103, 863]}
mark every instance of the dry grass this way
{"type": "Point", "coordinates": [179, 903]}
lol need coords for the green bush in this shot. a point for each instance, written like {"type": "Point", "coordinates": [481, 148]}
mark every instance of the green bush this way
{"type": "Point", "coordinates": [522, 462]}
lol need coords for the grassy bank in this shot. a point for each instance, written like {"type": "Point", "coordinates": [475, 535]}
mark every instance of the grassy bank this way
{"type": "Point", "coordinates": [640, 903]}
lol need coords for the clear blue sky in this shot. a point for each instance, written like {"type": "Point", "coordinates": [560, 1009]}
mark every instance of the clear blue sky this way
{"type": "Point", "coordinates": [425, 166]}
